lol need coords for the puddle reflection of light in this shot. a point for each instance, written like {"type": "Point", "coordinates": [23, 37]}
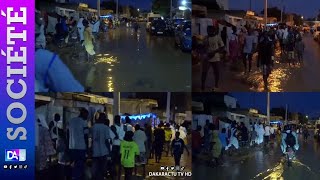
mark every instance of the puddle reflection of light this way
{"type": "Point", "coordinates": [106, 59]}
{"type": "Point", "coordinates": [109, 69]}
{"type": "Point", "coordinates": [277, 76]}
{"type": "Point", "coordinates": [276, 173]}
{"type": "Point", "coordinates": [110, 84]}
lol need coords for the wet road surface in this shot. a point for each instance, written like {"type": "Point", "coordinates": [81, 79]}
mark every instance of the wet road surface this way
{"type": "Point", "coordinates": [129, 61]}
{"type": "Point", "coordinates": [186, 162]}
{"type": "Point", "coordinates": [284, 78]}
{"type": "Point", "coordinates": [266, 164]}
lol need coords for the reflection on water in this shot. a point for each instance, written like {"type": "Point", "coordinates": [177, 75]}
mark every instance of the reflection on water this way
{"type": "Point", "coordinates": [102, 61]}
{"type": "Point", "coordinates": [275, 80]}
{"type": "Point", "coordinates": [282, 172]}
{"type": "Point", "coordinates": [128, 61]}
{"type": "Point", "coordinates": [275, 173]}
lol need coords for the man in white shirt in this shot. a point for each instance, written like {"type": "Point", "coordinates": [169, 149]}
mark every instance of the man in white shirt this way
{"type": "Point", "coordinates": [215, 47]}
{"type": "Point", "coordinates": [204, 23]}
{"type": "Point", "coordinates": [117, 138]}
{"type": "Point", "coordinates": [140, 138]}
{"type": "Point", "coordinates": [81, 29]}
{"type": "Point", "coordinates": [272, 131]}
{"type": "Point", "coordinates": [78, 142]}
{"type": "Point", "coordinates": [249, 48]}
{"type": "Point", "coordinates": [266, 133]}
{"type": "Point", "coordinates": [100, 146]}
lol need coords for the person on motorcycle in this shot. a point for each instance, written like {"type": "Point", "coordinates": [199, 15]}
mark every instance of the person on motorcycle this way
{"type": "Point", "coordinates": [289, 138]}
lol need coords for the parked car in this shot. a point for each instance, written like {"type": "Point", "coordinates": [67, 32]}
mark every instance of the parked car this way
{"type": "Point", "coordinates": [183, 36]}
{"type": "Point", "coordinates": [158, 27]}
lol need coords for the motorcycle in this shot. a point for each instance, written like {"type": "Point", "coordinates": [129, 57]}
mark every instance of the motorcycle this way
{"type": "Point", "coordinates": [290, 155]}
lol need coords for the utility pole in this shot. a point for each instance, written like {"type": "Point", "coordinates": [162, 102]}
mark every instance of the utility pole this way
{"type": "Point", "coordinates": [168, 106]}
{"type": "Point", "coordinates": [281, 11]}
{"type": "Point", "coordinates": [250, 5]}
{"type": "Point", "coordinates": [116, 104]}
{"type": "Point", "coordinates": [265, 13]}
{"type": "Point", "coordinates": [98, 8]}
{"type": "Point", "coordinates": [171, 9]}
{"type": "Point", "coordinates": [117, 10]}
{"type": "Point", "coordinates": [286, 119]}
{"type": "Point", "coordinates": [268, 108]}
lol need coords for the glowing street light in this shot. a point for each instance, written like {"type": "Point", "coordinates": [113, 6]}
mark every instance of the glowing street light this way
{"type": "Point", "coordinates": [301, 17]}
{"type": "Point", "coordinates": [182, 8]}
{"type": "Point", "coordinates": [138, 10]}
{"type": "Point", "coordinates": [183, 2]}
{"type": "Point", "coordinates": [184, 5]}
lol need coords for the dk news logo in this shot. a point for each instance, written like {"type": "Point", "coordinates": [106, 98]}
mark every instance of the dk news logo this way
{"type": "Point", "coordinates": [15, 155]}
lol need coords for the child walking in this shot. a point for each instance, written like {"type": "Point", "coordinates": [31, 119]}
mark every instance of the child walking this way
{"type": "Point", "coordinates": [177, 147]}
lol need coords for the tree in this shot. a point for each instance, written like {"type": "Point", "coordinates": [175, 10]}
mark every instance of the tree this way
{"type": "Point", "coordinates": [112, 5]}
{"type": "Point", "coordinates": [302, 118]}
{"type": "Point", "coordinates": [297, 19]}
{"type": "Point", "coordinates": [133, 11]}
{"type": "Point", "coordinates": [278, 112]}
{"type": "Point", "coordinates": [274, 12]}
{"type": "Point", "coordinates": [211, 5]}
{"type": "Point", "coordinates": [238, 106]}
{"type": "Point", "coordinates": [161, 6]}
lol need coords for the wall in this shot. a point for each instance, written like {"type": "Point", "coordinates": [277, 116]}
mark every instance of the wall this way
{"type": "Point", "coordinates": [224, 4]}
{"type": "Point", "coordinates": [230, 102]}
{"type": "Point", "coordinates": [48, 111]}
{"type": "Point", "coordinates": [239, 118]}
{"type": "Point", "coordinates": [200, 120]}
{"type": "Point", "coordinates": [133, 107]}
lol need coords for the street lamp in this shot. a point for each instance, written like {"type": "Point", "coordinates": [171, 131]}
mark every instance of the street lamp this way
{"type": "Point", "coordinates": [138, 10]}
{"type": "Point", "coordinates": [183, 2]}
{"type": "Point", "coordinates": [301, 17]}
{"type": "Point", "coordinates": [307, 116]}
{"type": "Point", "coordinates": [184, 5]}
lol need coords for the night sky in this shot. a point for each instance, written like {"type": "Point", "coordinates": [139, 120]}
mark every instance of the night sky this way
{"type": "Point", "coordinates": [308, 103]}
{"type": "Point", "coordinates": [141, 4]}
{"type": "Point", "coordinates": [307, 8]}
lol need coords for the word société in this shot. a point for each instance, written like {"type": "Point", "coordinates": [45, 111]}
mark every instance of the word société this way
{"type": "Point", "coordinates": [16, 54]}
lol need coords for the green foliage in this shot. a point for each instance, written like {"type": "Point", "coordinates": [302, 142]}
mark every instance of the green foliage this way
{"type": "Point", "coordinates": [278, 112]}
{"type": "Point", "coordinates": [161, 6]}
{"type": "Point", "coordinates": [275, 12]}
{"type": "Point", "coordinates": [210, 4]}
{"type": "Point", "coordinates": [133, 11]}
{"type": "Point", "coordinates": [297, 19]}
{"type": "Point", "coordinates": [111, 5]}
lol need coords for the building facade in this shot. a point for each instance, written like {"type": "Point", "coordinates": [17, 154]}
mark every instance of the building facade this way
{"type": "Point", "coordinates": [224, 4]}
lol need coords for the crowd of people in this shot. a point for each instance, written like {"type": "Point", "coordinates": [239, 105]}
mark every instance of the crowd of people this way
{"type": "Point", "coordinates": [235, 136]}
{"type": "Point", "coordinates": [109, 148]}
{"type": "Point", "coordinates": [235, 45]}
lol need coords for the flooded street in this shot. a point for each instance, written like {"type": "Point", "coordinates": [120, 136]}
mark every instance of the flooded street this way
{"type": "Point", "coordinates": [129, 61]}
{"type": "Point", "coordinates": [268, 163]}
{"type": "Point", "coordinates": [301, 77]}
